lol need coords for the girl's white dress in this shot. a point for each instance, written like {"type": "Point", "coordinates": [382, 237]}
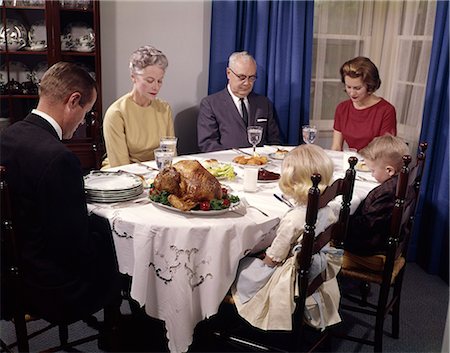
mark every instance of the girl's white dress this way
{"type": "Point", "coordinates": [264, 295]}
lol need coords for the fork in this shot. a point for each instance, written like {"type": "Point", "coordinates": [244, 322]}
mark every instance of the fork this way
{"type": "Point", "coordinates": [147, 166]}
{"type": "Point", "coordinates": [245, 202]}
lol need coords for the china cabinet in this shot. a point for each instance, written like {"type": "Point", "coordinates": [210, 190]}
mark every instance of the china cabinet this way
{"type": "Point", "coordinates": [34, 35]}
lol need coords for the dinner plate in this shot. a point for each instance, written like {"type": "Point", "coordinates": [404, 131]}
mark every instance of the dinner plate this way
{"type": "Point", "coordinates": [111, 181]}
{"type": "Point", "coordinates": [250, 165]}
{"type": "Point", "coordinates": [268, 181]}
{"type": "Point", "coordinates": [277, 156]}
{"type": "Point", "coordinates": [232, 207]}
{"type": "Point", "coordinates": [37, 37]}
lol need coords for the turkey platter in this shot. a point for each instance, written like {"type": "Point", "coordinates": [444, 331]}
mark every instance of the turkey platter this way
{"type": "Point", "coordinates": [188, 184]}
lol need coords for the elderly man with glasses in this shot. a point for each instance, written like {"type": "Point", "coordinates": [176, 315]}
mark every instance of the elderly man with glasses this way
{"type": "Point", "coordinates": [224, 116]}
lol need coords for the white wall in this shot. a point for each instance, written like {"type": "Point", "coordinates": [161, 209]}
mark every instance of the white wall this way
{"type": "Point", "coordinates": [180, 29]}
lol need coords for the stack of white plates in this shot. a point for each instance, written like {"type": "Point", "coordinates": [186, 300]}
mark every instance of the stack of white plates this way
{"type": "Point", "coordinates": [112, 186]}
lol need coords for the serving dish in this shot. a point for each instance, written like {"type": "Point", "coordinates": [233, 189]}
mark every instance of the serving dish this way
{"type": "Point", "coordinates": [37, 37]}
{"type": "Point", "coordinates": [78, 36]}
{"type": "Point", "coordinates": [15, 33]}
{"type": "Point", "coordinates": [232, 207]}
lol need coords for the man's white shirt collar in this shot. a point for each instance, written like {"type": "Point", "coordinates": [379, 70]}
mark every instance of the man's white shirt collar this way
{"type": "Point", "coordinates": [51, 121]}
{"type": "Point", "coordinates": [237, 100]}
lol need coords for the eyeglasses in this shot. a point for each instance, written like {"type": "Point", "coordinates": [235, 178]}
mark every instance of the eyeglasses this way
{"type": "Point", "coordinates": [244, 77]}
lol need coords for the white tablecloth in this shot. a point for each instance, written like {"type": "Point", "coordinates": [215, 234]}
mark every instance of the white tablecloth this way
{"type": "Point", "coordinates": [182, 265]}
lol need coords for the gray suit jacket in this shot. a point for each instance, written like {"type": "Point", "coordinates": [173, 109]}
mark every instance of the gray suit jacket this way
{"type": "Point", "coordinates": [220, 125]}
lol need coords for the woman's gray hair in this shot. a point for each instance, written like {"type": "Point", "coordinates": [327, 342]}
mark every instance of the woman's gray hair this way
{"type": "Point", "coordinates": [240, 55]}
{"type": "Point", "coordinates": [147, 56]}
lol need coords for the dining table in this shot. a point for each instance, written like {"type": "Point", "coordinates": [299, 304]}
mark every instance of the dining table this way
{"type": "Point", "coordinates": [182, 264]}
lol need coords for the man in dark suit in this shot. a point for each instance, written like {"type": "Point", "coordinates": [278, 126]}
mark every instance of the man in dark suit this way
{"type": "Point", "coordinates": [224, 116]}
{"type": "Point", "coordinates": [68, 263]}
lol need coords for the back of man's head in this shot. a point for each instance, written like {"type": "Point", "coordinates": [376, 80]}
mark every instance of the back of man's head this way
{"type": "Point", "coordinates": [64, 78]}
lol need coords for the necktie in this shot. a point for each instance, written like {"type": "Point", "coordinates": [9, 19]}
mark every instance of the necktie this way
{"type": "Point", "coordinates": [244, 112]}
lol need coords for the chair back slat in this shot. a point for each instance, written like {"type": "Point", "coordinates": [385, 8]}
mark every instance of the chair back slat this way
{"type": "Point", "coordinates": [398, 220]}
{"type": "Point", "coordinates": [312, 244]}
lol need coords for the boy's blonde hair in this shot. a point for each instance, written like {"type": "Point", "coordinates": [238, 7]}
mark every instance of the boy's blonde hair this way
{"type": "Point", "coordinates": [298, 166]}
{"type": "Point", "coordinates": [387, 149]}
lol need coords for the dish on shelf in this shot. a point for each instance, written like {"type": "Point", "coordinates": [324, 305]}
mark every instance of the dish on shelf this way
{"type": "Point", "coordinates": [79, 36]}
{"type": "Point", "coordinates": [15, 33]}
{"type": "Point", "coordinates": [39, 71]}
{"type": "Point", "coordinates": [3, 75]}
{"type": "Point", "coordinates": [37, 37]}
{"type": "Point", "coordinates": [66, 42]}
{"type": "Point", "coordinates": [18, 72]}
{"type": "Point", "coordinates": [76, 4]}
{"type": "Point", "coordinates": [34, 3]}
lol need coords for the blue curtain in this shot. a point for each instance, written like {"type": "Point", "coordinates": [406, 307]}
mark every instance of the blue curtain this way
{"type": "Point", "coordinates": [279, 35]}
{"type": "Point", "coordinates": [429, 246]}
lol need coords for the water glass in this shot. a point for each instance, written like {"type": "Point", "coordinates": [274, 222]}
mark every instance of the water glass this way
{"type": "Point", "coordinates": [309, 133]}
{"type": "Point", "coordinates": [250, 178]}
{"type": "Point", "coordinates": [168, 143]}
{"type": "Point", "coordinates": [254, 134]}
{"type": "Point", "coordinates": [163, 158]}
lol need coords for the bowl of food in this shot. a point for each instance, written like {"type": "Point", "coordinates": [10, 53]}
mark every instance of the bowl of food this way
{"type": "Point", "coordinates": [222, 171]}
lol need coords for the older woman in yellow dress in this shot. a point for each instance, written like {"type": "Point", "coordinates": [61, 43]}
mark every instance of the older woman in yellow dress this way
{"type": "Point", "coordinates": [134, 123]}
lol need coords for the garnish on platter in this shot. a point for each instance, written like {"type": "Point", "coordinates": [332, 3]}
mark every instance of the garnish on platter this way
{"type": "Point", "coordinates": [219, 170]}
{"type": "Point", "coordinates": [187, 186]}
{"type": "Point", "coordinates": [250, 160]}
{"type": "Point", "coordinates": [265, 175]}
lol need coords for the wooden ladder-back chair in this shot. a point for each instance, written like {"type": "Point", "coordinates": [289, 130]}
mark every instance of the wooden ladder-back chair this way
{"type": "Point", "coordinates": [387, 270]}
{"type": "Point", "coordinates": [13, 306]}
{"type": "Point", "coordinates": [311, 244]}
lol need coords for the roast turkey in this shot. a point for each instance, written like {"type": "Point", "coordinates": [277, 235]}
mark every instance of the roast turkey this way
{"type": "Point", "coordinates": [189, 183]}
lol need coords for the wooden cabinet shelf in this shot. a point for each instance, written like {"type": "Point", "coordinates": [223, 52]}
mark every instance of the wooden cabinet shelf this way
{"type": "Point", "coordinates": [50, 22]}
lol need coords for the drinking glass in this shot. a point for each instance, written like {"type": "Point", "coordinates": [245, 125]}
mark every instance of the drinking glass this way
{"type": "Point", "coordinates": [168, 143]}
{"type": "Point", "coordinates": [163, 158]}
{"type": "Point", "coordinates": [309, 133]}
{"type": "Point", "coordinates": [254, 134]}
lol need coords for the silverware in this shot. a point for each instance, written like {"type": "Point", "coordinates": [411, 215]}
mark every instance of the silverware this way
{"type": "Point", "coordinates": [147, 166]}
{"type": "Point", "coordinates": [286, 202]}
{"type": "Point", "coordinates": [239, 151]}
{"type": "Point", "coordinates": [245, 202]}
